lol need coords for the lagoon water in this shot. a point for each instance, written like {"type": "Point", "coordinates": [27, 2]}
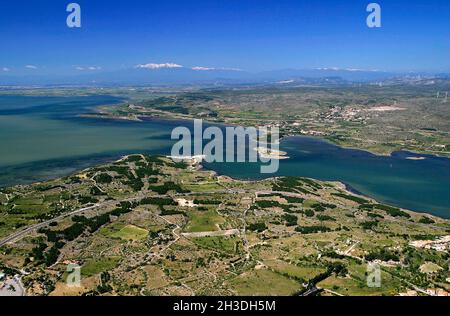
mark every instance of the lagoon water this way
{"type": "Point", "coordinates": [44, 137]}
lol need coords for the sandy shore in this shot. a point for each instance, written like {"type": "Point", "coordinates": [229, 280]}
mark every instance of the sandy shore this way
{"type": "Point", "coordinates": [271, 153]}
{"type": "Point", "coordinates": [416, 158]}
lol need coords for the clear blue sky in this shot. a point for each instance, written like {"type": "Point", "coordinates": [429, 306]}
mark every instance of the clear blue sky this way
{"type": "Point", "coordinates": [254, 35]}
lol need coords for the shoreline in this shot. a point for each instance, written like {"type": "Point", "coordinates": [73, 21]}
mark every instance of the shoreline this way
{"type": "Point", "coordinates": [200, 167]}
{"type": "Point", "coordinates": [266, 153]}
{"type": "Point", "coordinates": [88, 158]}
{"type": "Point", "coordinates": [171, 117]}
{"type": "Point", "coordinates": [341, 206]}
{"type": "Point", "coordinates": [345, 186]}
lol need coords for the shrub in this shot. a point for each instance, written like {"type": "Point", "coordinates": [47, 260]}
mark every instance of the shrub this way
{"type": "Point", "coordinates": [374, 215]}
{"type": "Point", "coordinates": [290, 220]}
{"type": "Point", "coordinates": [369, 225]}
{"type": "Point", "coordinates": [158, 201]}
{"type": "Point", "coordinates": [103, 178]}
{"type": "Point", "coordinates": [426, 220]}
{"type": "Point", "coordinates": [312, 229]}
{"type": "Point", "coordinates": [207, 202]}
{"type": "Point", "coordinates": [291, 199]}
{"type": "Point", "coordinates": [351, 198]}
{"type": "Point", "coordinates": [325, 218]}
{"type": "Point", "coordinates": [382, 254]}
{"type": "Point", "coordinates": [166, 187]}
{"type": "Point", "coordinates": [393, 211]}
{"type": "Point", "coordinates": [257, 227]}
{"type": "Point", "coordinates": [267, 204]}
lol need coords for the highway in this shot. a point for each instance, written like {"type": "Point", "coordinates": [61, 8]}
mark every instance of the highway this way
{"type": "Point", "coordinates": [20, 234]}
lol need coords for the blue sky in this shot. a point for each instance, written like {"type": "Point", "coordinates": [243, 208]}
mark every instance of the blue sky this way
{"type": "Point", "coordinates": [253, 35]}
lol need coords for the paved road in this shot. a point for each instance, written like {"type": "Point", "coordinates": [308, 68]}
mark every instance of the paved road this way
{"type": "Point", "coordinates": [20, 234]}
{"type": "Point", "coordinates": [312, 291]}
{"type": "Point", "coordinates": [216, 233]}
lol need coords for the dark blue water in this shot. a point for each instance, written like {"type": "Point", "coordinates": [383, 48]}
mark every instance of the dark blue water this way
{"type": "Point", "coordinates": [421, 185]}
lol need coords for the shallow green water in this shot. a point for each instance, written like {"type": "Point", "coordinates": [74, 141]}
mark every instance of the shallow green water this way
{"type": "Point", "coordinates": [43, 137]}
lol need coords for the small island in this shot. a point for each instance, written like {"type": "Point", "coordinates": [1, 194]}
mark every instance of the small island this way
{"type": "Point", "coordinates": [268, 153]}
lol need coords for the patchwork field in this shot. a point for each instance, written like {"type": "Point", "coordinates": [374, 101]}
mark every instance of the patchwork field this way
{"type": "Point", "coordinates": [163, 236]}
{"type": "Point", "coordinates": [124, 232]}
{"type": "Point", "coordinates": [380, 119]}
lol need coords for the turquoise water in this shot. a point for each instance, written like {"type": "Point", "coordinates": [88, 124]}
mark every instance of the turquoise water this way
{"type": "Point", "coordinates": [43, 138]}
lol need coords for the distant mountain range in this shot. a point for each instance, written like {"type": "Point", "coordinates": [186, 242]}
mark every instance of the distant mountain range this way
{"type": "Point", "coordinates": [188, 76]}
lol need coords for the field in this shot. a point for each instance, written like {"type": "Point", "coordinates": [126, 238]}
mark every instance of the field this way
{"type": "Point", "coordinates": [292, 270]}
{"type": "Point", "coordinates": [301, 237]}
{"type": "Point", "coordinates": [203, 221]}
{"type": "Point", "coordinates": [274, 284]}
{"type": "Point", "coordinates": [95, 266]}
{"type": "Point", "coordinates": [125, 232]}
{"type": "Point", "coordinates": [221, 244]}
{"type": "Point", "coordinates": [203, 187]}
{"type": "Point", "coordinates": [374, 118]}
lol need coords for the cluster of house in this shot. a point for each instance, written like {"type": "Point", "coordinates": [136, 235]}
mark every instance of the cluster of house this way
{"type": "Point", "coordinates": [431, 292]}
{"type": "Point", "coordinates": [441, 244]}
